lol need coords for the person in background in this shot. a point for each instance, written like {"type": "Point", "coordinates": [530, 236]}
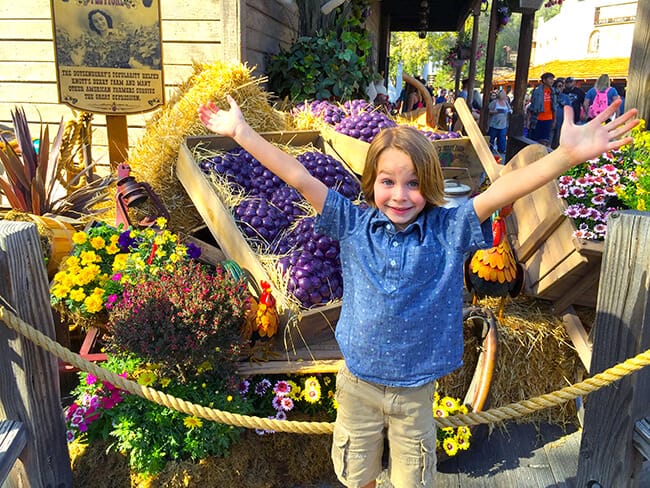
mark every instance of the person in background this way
{"type": "Point", "coordinates": [402, 256]}
{"type": "Point", "coordinates": [577, 97]}
{"type": "Point", "coordinates": [542, 110]}
{"type": "Point", "coordinates": [499, 113]}
{"type": "Point", "coordinates": [603, 84]}
{"type": "Point", "coordinates": [562, 99]}
{"type": "Point", "coordinates": [442, 96]}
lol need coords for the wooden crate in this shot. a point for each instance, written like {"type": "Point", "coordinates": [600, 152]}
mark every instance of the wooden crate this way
{"type": "Point", "coordinates": [305, 328]}
{"type": "Point", "coordinates": [559, 267]}
{"type": "Point", "coordinates": [454, 154]}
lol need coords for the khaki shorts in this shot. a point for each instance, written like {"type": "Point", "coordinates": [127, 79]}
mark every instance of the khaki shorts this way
{"type": "Point", "coordinates": [367, 411]}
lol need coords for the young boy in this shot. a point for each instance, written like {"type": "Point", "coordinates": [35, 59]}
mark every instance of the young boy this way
{"type": "Point", "coordinates": [401, 319]}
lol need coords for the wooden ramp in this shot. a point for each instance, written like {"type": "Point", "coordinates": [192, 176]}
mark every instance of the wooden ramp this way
{"type": "Point", "coordinates": [521, 456]}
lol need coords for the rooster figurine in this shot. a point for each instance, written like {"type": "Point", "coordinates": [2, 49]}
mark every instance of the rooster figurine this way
{"type": "Point", "coordinates": [262, 320]}
{"type": "Point", "coordinates": [495, 272]}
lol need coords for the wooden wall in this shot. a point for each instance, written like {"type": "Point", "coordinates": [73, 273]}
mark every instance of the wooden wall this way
{"type": "Point", "coordinates": [193, 30]}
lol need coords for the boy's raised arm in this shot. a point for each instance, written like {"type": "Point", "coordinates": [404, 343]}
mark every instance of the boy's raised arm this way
{"type": "Point", "coordinates": [231, 123]}
{"type": "Point", "coordinates": [578, 143]}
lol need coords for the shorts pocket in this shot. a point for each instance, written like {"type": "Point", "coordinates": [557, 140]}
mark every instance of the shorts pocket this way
{"type": "Point", "coordinates": [428, 457]}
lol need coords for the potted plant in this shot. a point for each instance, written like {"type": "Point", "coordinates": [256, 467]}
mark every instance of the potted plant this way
{"type": "Point", "coordinates": [35, 186]}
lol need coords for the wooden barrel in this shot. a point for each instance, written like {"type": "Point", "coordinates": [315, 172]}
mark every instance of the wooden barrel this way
{"type": "Point", "coordinates": [59, 238]}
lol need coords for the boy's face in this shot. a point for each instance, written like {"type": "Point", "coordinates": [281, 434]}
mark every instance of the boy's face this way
{"type": "Point", "coordinates": [397, 190]}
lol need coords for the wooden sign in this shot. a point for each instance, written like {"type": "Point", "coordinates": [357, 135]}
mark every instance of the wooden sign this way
{"type": "Point", "coordinates": [108, 55]}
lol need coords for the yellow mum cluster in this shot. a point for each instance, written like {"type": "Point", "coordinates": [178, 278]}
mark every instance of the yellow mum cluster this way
{"type": "Point", "coordinates": [450, 439]}
{"type": "Point", "coordinates": [104, 258]}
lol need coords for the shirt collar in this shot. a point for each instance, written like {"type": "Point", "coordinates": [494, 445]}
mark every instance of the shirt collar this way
{"type": "Point", "coordinates": [380, 220]}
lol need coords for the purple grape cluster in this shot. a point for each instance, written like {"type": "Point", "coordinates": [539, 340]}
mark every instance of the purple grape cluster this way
{"type": "Point", "coordinates": [260, 220]}
{"type": "Point", "coordinates": [359, 106]}
{"type": "Point", "coordinates": [312, 266]}
{"type": "Point", "coordinates": [332, 114]}
{"type": "Point", "coordinates": [437, 136]}
{"type": "Point", "coordinates": [331, 172]}
{"type": "Point", "coordinates": [311, 261]}
{"type": "Point", "coordinates": [364, 126]}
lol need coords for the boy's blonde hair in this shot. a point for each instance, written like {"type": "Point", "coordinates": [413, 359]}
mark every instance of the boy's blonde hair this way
{"type": "Point", "coordinates": [423, 155]}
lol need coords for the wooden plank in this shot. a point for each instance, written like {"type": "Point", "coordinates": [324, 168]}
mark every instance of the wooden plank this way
{"type": "Point", "coordinates": [188, 30]}
{"type": "Point", "coordinates": [209, 253]}
{"type": "Point", "coordinates": [578, 336]}
{"type": "Point", "coordinates": [23, 29]}
{"type": "Point", "coordinates": [13, 438]}
{"type": "Point", "coordinates": [485, 156]}
{"type": "Point", "coordinates": [197, 11]}
{"type": "Point", "coordinates": [508, 458]}
{"type": "Point", "coordinates": [641, 437]}
{"type": "Point", "coordinates": [584, 287]}
{"type": "Point", "coordinates": [29, 385]}
{"type": "Point", "coordinates": [539, 236]}
{"type": "Point", "coordinates": [291, 367]}
{"type": "Point", "coordinates": [563, 458]}
{"type": "Point", "coordinates": [621, 331]}
{"type": "Point", "coordinates": [29, 51]}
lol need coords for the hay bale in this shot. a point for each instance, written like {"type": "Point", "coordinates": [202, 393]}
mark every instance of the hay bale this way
{"type": "Point", "coordinates": [153, 158]}
{"type": "Point", "coordinates": [535, 356]}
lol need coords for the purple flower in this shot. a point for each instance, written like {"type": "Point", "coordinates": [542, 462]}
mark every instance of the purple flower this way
{"type": "Point", "coordinates": [193, 251]}
{"type": "Point", "coordinates": [243, 387]}
{"type": "Point", "coordinates": [125, 241]}
{"type": "Point", "coordinates": [262, 386]}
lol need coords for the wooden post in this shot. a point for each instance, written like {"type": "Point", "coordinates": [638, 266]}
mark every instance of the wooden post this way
{"type": "Point", "coordinates": [29, 383]}
{"type": "Point", "coordinates": [516, 127]}
{"type": "Point", "coordinates": [118, 140]}
{"type": "Point", "coordinates": [489, 68]}
{"type": "Point", "coordinates": [638, 83]}
{"type": "Point", "coordinates": [621, 330]}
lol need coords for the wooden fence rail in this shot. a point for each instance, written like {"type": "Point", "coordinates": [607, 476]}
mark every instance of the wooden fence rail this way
{"type": "Point", "coordinates": [29, 383]}
{"type": "Point", "coordinates": [608, 457]}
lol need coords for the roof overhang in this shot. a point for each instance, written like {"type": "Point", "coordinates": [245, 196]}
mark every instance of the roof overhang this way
{"type": "Point", "coordinates": [427, 15]}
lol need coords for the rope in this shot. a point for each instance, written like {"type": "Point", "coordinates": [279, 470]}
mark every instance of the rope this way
{"type": "Point", "coordinates": [507, 412]}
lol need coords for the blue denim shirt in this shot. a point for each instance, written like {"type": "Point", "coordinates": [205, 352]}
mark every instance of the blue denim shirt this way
{"type": "Point", "coordinates": [401, 317]}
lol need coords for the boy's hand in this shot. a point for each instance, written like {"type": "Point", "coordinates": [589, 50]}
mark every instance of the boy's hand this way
{"type": "Point", "coordinates": [224, 122]}
{"type": "Point", "coordinates": [584, 142]}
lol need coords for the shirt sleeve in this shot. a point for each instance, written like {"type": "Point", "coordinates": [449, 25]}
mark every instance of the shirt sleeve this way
{"type": "Point", "coordinates": [337, 216]}
{"type": "Point", "coordinates": [461, 228]}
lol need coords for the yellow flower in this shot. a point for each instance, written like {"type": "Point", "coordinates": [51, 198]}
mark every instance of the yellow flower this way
{"type": "Point", "coordinates": [204, 366]}
{"type": "Point", "coordinates": [89, 257]}
{"type": "Point", "coordinates": [97, 242]}
{"type": "Point", "coordinates": [161, 222]}
{"type": "Point", "coordinates": [112, 248]}
{"type": "Point", "coordinates": [440, 412]}
{"type": "Point", "coordinates": [78, 294]}
{"type": "Point", "coordinates": [94, 303]}
{"type": "Point", "coordinates": [79, 238]}
{"type": "Point", "coordinates": [71, 261]}
{"type": "Point", "coordinates": [294, 394]}
{"type": "Point", "coordinates": [192, 422]}
{"type": "Point", "coordinates": [60, 291]}
{"type": "Point", "coordinates": [449, 403]}
{"type": "Point", "coordinates": [229, 398]}
{"type": "Point", "coordinates": [311, 393]}
{"type": "Point", "coordinates": [146, 378]}
{"type": "Point", "coordinates": [164, 382]}
{"type": "Point", "coordinates": [119, 262]}
{"type": "Point", "coordinates": [450, 446]}
{"type": "Point", "coordinates": [174, 258]}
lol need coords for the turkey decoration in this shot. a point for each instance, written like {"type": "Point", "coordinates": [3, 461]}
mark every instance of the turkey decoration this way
{"type": "Point", "coordinates": [495, 272]}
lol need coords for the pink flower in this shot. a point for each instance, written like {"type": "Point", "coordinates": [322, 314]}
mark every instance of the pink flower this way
{"type": "Point", "coordinates": [282, 388]}
{"type": "Point", "coordinates": [577, 192]}
{"type": "Point", "coordinates": [90, 379]}
{"type": "Point", "coordinates": [116, 277]}
{"type": "Point", "coordinates": [563, 193]}
{"type": "Point", "coordinates": [598, 200]}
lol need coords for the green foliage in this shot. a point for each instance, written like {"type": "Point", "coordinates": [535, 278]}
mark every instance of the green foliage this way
{"type": "Point", "coordinates": [148, 433]}
{"type": "Point", "coordinates": [329, 66]}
